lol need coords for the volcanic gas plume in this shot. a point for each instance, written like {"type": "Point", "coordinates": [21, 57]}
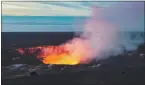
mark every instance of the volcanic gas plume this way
{"type": "Point", "coordinates": [97, 39]}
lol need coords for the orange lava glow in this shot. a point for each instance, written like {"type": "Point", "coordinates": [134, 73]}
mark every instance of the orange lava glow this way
{"type": "Point", "coordinates": [70, 53]}
{"type": "Point", "coordinates": [61, 59]}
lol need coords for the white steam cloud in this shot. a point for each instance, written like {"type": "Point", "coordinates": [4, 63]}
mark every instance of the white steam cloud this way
{"type": "Point", "coordinates": [103, 37]}
{"type": "Point", "coordinates": [100, 39]}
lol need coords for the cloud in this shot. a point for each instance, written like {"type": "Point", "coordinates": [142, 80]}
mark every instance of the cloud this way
{"type": "Point", "coordinates": [48, 8]}
{"type": "Point", "coordinates": [126, 15]}
{"type": "Point", "coordinates": [37, 8]}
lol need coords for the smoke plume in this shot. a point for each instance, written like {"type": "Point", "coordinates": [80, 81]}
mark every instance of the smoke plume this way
{"type": "Point", "coordinates": [101, 36]}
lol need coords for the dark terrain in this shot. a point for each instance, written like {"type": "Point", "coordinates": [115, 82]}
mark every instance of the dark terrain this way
{"type": "Point", "coordinates": [123, 69]}
{"type": "Point", "coordinates": [13, 40]}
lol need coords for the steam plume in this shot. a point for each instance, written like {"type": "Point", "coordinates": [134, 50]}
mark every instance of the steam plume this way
{"type": "Point", "coordinates": [101, 36]}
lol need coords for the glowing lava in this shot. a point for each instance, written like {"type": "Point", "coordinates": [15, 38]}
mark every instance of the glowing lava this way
{"type": "Point", "coordinates": [70, 53]}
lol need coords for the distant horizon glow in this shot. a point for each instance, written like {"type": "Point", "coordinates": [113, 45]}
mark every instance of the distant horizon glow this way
{"type": "Point", "coordinates": [126, 15]}
{"type": "Point", "coordinates": [56, 8]}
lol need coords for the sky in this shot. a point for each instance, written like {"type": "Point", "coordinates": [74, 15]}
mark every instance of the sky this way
{"type": "Point", "coordinates": [50, 8]}
{"type": "Point", "coordinates": [125, 14]}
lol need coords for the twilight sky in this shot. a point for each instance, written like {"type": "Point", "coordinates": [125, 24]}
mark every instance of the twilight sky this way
{"type": "Point", "coordinates": [125, 14]}
{"type": "Point", "coordinates": [50, 8]}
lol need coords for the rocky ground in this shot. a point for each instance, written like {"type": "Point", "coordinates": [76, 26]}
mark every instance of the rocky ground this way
{"type": "Point", "coordinates": [125, 69]}
{"type": "Point", "coordinates": [128, 68]}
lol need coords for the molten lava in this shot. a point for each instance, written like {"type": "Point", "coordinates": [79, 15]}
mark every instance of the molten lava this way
{"type": "Point", "coordinates": [70, 53]}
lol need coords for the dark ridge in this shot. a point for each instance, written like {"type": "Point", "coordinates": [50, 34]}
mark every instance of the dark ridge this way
{"type": "Point", "coordinates": [27, 39]}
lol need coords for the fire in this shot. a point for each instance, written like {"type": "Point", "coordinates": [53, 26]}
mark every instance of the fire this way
{"type": "Point", "coordinates": [69, 53]}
